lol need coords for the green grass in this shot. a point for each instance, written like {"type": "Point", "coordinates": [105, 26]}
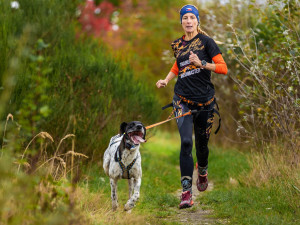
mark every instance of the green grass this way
{"type": "Point", "coordinates": [231, 199]}
{"type": "Point", "coordinates": [226, 164]}
{"type": "Point", "coordinates": [161, 176]}
{"type": "Point", "coordinates": [251, 206]}
{"type": "Point", "coordinates": [241, 203]}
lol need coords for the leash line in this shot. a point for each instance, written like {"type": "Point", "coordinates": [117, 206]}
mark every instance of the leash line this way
{"type": "Point", "coordinates": [167, 120]}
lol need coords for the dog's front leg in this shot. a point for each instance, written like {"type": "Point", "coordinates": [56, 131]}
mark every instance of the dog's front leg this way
{"type": "Point", "coordinates": [114, 196]}
{"type": "Point", "coordinates": [130, 187]}
{"type": "Point", "coordinates": [136, 195]}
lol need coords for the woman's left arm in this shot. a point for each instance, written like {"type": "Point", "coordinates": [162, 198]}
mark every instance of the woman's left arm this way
{"type": "Point", "coordinates": [219, 65]}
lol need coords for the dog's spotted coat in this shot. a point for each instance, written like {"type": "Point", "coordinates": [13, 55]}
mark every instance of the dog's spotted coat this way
{"type": "Point", "coordinates": [128, 144]}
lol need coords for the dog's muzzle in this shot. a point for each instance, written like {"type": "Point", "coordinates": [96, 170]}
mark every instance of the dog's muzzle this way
{"type": "Point", "coordinates": [136, 137]}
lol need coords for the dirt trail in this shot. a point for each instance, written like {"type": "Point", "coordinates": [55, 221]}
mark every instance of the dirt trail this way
{"type": "Point", "coordinates": [196, 214]}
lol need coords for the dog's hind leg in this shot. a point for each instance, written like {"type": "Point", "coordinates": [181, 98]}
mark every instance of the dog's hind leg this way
{"type": "Point", "coordinates": [130, 187]}
{"type": "Point", "coordinates": [106, 162]}
{"type": "Point", "coordinates": [114, 196]}
{"type": "Point", "coordinates": [136, 195]}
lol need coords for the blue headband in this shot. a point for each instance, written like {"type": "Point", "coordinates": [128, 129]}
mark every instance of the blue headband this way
{"type": "Point", "coordinates": [189, 9]}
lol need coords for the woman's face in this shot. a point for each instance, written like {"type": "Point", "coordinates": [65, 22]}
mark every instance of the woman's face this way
{"type": "Point", "coordinates": [189, 23]}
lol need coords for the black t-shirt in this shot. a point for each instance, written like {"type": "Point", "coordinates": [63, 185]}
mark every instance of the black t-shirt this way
{"type": "Point", "coordinates": [194, 83]}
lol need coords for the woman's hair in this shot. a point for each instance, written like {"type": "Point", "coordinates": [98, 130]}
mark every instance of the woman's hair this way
{"type": "Point", "coordinates": [201, 31]}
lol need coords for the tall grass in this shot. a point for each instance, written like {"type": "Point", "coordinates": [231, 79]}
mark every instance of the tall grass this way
{"type": "Point", "coordinates": [35, 198]}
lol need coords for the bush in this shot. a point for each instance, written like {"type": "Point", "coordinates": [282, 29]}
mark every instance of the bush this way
{"type": "Point", "coordinates": [268, 88]}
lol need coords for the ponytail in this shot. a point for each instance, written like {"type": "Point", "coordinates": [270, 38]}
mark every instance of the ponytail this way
{"type": "Point", "coordinates": [201, 31]}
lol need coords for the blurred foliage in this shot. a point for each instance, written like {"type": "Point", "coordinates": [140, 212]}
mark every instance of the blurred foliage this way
{"type": "Point", "coordinates": [34, 108]}
{"type": "Point", "coordinates": [66, 82]}
{"type": "Point", "coordinates": [147, 29]}
{"type": "Point", "coordinates": [114, 2]}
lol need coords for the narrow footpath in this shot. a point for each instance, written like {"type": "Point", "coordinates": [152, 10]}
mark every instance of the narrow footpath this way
{"type": "Point", "coordinates": [199, 213]}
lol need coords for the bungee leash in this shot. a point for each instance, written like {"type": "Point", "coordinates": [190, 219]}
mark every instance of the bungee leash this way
{"type": "Point", "coordinates": [169, 119]}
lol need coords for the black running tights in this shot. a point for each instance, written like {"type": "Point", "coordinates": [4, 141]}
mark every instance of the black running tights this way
{"type": "Point", "coordinates": [202, 124]}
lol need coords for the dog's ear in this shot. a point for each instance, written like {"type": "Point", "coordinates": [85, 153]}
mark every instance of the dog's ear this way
{"type": "Point", "coordinates": [123, 128]}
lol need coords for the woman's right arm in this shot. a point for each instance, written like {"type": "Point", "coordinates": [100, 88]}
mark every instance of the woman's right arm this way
{"type": "Point", "coordinates": [163, 83]}
{"type": "Point", "coordinates": [173, 73]}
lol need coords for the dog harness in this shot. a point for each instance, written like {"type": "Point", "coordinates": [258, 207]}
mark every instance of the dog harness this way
{"type": "Point", "coordinates": [125, 169]}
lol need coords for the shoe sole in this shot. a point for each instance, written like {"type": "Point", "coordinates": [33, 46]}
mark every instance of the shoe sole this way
{"type": "Point", "coordinates": [186, 206]}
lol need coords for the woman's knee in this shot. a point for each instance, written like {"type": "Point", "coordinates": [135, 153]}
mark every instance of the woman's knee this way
{"type": "Point", "coordinates": [186, 146]}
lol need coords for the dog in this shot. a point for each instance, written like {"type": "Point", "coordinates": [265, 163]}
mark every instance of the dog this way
{"type": "Point", "coordinates": [122, 160]}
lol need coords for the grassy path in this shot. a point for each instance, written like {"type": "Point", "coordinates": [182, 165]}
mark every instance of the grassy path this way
{"type": "Point", "coordinates": [228, 202]}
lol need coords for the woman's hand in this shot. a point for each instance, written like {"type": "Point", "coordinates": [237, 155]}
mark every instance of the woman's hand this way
{"type": "Point", "coordinates": [195, 60]}
{"type": "Point", "coordinates": [161, 83]}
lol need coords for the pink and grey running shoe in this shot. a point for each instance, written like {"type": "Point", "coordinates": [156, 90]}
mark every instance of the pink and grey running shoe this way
{"type": "Point", "coordinates": [186, 200]}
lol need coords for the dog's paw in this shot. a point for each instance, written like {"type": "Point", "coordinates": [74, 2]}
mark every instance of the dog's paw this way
{"type": "Point", "coordinates": [115, 207]}
{"type": "Point", "coordinates": [128, 206]}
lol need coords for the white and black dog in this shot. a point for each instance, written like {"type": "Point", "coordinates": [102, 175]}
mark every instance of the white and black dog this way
{"type": "Point", "coordinates": [122, 160]}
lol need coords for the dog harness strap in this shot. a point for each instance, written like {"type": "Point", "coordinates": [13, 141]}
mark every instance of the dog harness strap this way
{"type": "Point", "coordinates": [123, 167]}
{"type": "Point", "coordinates": [129, 167]}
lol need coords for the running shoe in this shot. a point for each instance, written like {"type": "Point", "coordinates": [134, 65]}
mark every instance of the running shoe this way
{"type": "Point", "coordinates": [202, 182]}
{"type": "Point", "coordinates": [186, 200]}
